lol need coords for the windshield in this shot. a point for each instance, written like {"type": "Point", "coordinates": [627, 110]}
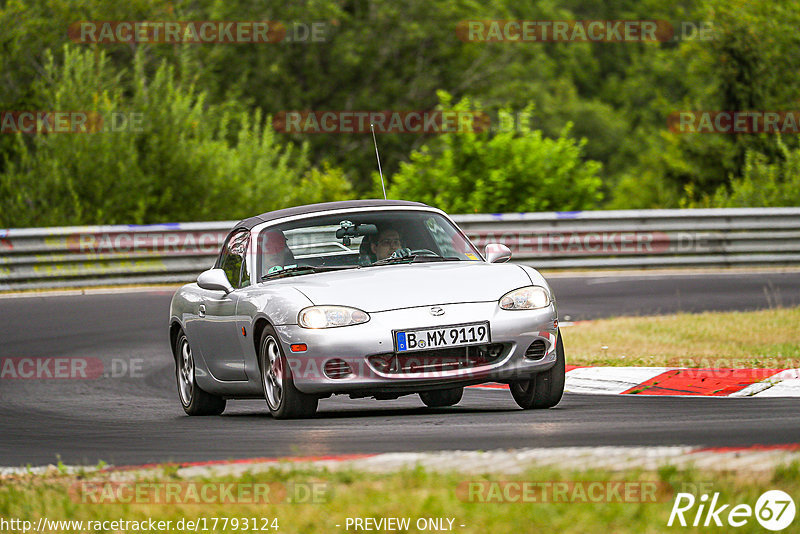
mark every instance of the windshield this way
{"type": "Point", "coordinates": [359, 239]}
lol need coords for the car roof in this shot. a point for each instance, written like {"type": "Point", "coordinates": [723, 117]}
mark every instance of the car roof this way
{"type": "Point", "coordinates": [323, 206]}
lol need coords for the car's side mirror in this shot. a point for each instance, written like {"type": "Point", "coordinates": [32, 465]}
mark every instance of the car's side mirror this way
{"type": "Point", "coordinates": [214, 280]}
{"type": "Point", "coordinates": [497, 253]}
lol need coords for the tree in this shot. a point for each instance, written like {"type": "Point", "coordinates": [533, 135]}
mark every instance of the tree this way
{"type": "Point", "coordinates": [175, 158]}
{"type": "Point", "coordinates": [501, 172]}
{"type": "Point", "coordinates": [766, 181]}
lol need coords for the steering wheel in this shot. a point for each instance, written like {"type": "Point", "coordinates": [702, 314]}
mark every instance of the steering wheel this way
{"type": "Point", "coordinates": [423, 252]}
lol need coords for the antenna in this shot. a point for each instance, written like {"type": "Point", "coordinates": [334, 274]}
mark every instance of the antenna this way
{"type": "Point", "coordinates": [371, 127]}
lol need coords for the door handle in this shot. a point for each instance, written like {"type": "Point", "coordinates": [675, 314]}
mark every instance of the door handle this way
{"type": "Point", "coordinates": [202, 310]}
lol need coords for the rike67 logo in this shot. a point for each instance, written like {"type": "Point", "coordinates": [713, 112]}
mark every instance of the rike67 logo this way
{"type": "Point", "coordinates": [774, 510]}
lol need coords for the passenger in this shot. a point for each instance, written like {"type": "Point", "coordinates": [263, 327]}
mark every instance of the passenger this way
{"type": "Point", "coordinates": [275, 253]}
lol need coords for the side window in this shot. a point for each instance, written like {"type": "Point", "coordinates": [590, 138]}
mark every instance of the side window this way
{"type": "Point", "coordinates": [244, 275]}
{"type": "Point", "coordinates": [232, 260]}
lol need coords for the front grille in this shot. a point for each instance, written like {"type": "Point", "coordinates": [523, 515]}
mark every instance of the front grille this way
{"type": "Point", "coordinates": [427, 361]}
{"type": "Point", "coordinates": [337, 368]}
{"type": "Point", "coordinates": [536, 351]}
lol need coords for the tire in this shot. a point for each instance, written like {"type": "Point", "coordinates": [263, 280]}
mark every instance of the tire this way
{"type": "Point", "coordinates": [441, 397]}
{"type": "Point", "coordinates": [546, 388]}
{"type": "Point", "coordinates": [284, 400]}
{"type": "Point", "coordinates": [194, 400]}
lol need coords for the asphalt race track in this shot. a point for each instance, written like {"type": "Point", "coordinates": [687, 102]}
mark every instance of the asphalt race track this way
{"type": "Point", "coordinates": [136, 418]}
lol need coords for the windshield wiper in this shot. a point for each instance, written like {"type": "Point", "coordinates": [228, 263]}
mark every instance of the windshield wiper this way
{"type": "Point", "coordinates": [305, 269]}
{"type": "Point", "coordinates": [421, 258]}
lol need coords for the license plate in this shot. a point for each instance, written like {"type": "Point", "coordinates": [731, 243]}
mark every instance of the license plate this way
{"type": "Point", "coordinates": [461, 335]}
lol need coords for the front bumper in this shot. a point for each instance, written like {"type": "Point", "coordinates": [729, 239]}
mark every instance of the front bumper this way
{"type": "Point", "coordinates": [515, 330]}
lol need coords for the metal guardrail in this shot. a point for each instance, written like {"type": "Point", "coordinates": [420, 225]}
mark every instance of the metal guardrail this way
{"type": "Point", "coordinates": [173, 253]}
{"type": "Point", "coordinates": [644, 238]}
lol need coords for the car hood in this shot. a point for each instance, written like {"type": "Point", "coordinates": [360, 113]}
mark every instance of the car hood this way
{"type": "Point", "coordinates": [390, 287]}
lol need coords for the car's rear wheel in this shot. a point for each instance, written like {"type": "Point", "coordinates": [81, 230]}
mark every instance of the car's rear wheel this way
{"type": "Point", "coordinates": [545, 389]}
{"type": "Point", "coordinates": [284, 400]}
{"type": "Point", "coordinates": [441, 397]}
{"type": "Point", "coordinates": [194, 400]}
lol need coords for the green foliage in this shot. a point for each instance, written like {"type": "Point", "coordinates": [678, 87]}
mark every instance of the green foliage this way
{"type": "Point", "coordinates": [741, 69]}
{"type": "Point", "coordinates": [177, 158]}
{"type": "Point", "coordinates": [766, 182]}
{"type": "Point", "coordinates": [507, 171]}
{"type": "Point", "coordinates": [206, 149]}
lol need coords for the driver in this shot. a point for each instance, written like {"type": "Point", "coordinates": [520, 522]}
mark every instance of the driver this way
{"type": "Point", "coordinates": [388, 241]}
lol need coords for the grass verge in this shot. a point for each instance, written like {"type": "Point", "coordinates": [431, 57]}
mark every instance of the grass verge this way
{"type": "Point", "coordinates": [763, 339]}
{"type": "Point", "coordinates": [415, 494]}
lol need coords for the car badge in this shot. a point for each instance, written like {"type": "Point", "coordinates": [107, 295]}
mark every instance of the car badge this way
{"type": "Point", "coordinates": [436, 311]}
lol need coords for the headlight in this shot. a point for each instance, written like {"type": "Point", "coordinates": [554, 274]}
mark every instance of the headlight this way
{"type": "Point", "coordinates": [330, 317]}
{"type": "Point", "coordinates": [525, 298]}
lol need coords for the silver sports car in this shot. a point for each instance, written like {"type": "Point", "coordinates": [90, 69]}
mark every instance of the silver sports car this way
{"type": "Point", "coordinates": [369, 298]}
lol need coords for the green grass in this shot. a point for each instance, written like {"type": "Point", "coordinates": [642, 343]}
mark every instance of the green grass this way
{"type": "Point", "coordinates": [763, 339]}
{"type": "Point", "coordinates": [411, 493]}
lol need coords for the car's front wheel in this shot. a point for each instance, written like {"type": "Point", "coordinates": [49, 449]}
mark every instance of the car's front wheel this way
{"type": "Point", "coordinates": [284, 400]}
{"type": "Point", "coordinates": [441, 397]}
{"type": "Point", "coordinates": [545, 389]}
{"type": "Point", "coordinates": [194, 400]}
